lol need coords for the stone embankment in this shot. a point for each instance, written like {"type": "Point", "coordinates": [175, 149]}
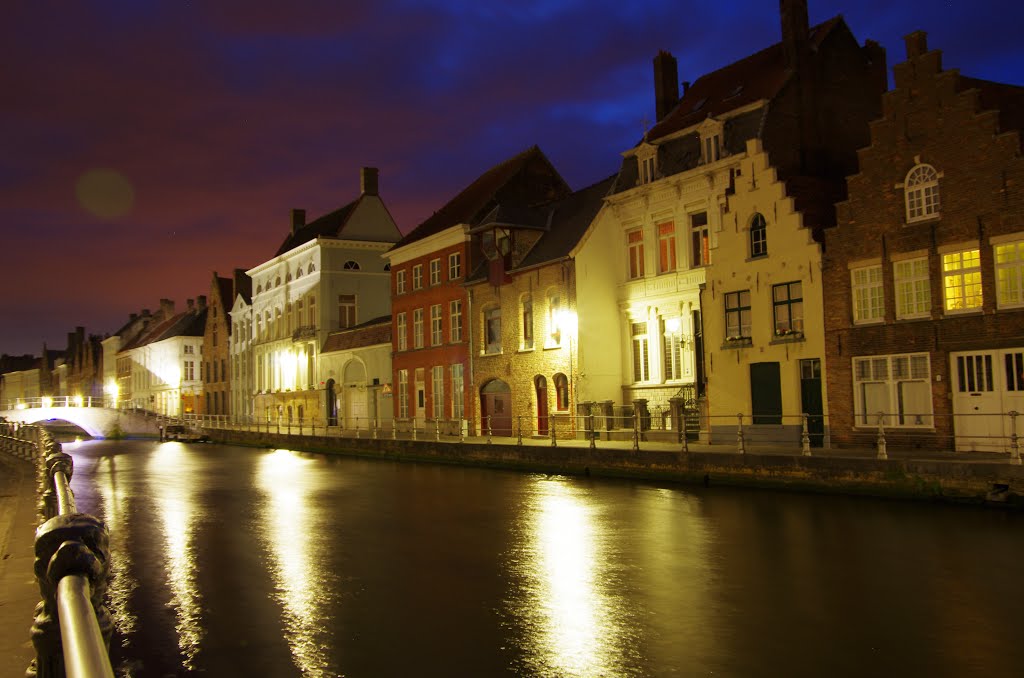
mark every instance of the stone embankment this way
{"type": "Point", "coordinates": [973, 478]}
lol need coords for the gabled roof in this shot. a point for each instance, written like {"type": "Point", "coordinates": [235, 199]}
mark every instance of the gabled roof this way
{"type": "Point", "coordinates": [756, 77]}
{"type": "Point", "coordinates": [1007, 99]}
{"type": "Point", "coordinates": [522, 175]}
{"type": "Point", "coordinates": [329, 225]}
{"type": "Point", "coordinates": [190, 323]}
{"type": "Point", "coordinates": [224, 291]}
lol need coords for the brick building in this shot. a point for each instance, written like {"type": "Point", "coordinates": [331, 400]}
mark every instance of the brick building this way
{"type": "Point", "coordinates": [924, 274]}
{"type": "Point", "coordinates": [433, 327]}
{"type": "Point", "coordinates": [217, 341]}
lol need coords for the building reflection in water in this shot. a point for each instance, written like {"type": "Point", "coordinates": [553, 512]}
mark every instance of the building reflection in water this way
{"type": "Point", "coordinates": [113, 502]}
{"type": "Point", "coordinates": [174, 474]}
{"type": "Point", "coordinates": [287, 523]}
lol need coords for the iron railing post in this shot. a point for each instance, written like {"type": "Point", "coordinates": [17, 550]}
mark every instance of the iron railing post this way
{"type": "Point", "coordinates": [1014, 442]}
{"type": "Point", "coordinates": [805, 437]}
{"type": "Point", "coordinates": [881, 436]}
{"type": "Point", "coordinates": [488, 429]}
{"type": "Point", "coordinates": [740, 442]}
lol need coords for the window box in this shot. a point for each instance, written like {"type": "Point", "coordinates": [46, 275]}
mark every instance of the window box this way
{"type": "Point", "coordinates": [737, 342]}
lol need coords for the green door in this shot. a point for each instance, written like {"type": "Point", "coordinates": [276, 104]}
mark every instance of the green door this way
{"type": "Point", "coordinates": [765, 393]}
{"type": "Point", "coordinates": [810, 400]}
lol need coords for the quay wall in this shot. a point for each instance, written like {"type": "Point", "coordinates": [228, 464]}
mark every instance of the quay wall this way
{"type": "Point", "coordinates": [972, 482]}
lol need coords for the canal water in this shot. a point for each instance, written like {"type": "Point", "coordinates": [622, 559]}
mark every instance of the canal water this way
{"type": "Point", "coordinates": [231, 561]}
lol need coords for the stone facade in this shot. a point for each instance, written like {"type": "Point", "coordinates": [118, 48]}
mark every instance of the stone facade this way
{"type": "Point", "coordinates": [924, 312]}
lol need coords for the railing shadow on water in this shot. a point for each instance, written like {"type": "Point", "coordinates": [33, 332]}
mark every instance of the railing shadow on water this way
{"type": "Point", "coordinates": [72, 627]}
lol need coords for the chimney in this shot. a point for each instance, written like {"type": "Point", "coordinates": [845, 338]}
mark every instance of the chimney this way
{"type": "Point", "coordinates": [368, 181]}
{"type": "Point", "coordinates": [133, 317]}
{"type": "Point", "coordinates": [917, 44]}
{"type": "Point", "coordinates": [145, 313]}
{"type": "Point", "coordinates": [794, 29]}
{"type": "Point", "coordinates": [201, 302]}
{"type": "Point", "coordinates": [166, 308]}
{"type": "Point", "coordinates": [666, 89]}
{"type": "Point", "coordinates": [191, 305]}
{"type": "Point", "coordinates": [298, 220]}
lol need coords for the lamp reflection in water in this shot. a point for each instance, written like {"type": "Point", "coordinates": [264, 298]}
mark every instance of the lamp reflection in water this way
{"type": "Point", "coordinates": [120, 583]}
{"type": "Point", "coordinates": [178, 509]}
{"type": "Point", "coordinates": [302, 585]}
{"type": "Point", "coordinates": [572, 621]}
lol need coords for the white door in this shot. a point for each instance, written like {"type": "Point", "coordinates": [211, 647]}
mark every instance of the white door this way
{"type": "Point", "coordinates": [355, 407]}
{"type": "Point", "coordinates": [986, 385]}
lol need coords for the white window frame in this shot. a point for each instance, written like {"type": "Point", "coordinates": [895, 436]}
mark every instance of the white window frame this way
{"type": "Point", "coordinates": [417, 277]}
{"type": "Point", "coordinates": [672, 348]}
{"type": "Point", "coordinates": [454, 265]}
{"type": "Point", "coordinates": [435, 271]}
{"type": "Point", "coordinates": [668, 251]}
{"type": "Point", "coordinates": [436, 328]}
{"type": "Point", "coordinates": [635, 253]}
{"type": "Point", "coordinates": [400, 282]}
{"type": "Point", "coordinates": [417, 328]}
{"type": "Point", "coordinates": [458, 394]}
{"type": "Point", "coordinates": [912, 280]}
{"type": "Point", "coordinates": [641, 348]}
{"type": "Point", "coordinates": [647, 167]}
{"type": "Point", "coordinates": [921, 193]}
{"type": "Point", "coordinates": [867, 288]}
{"type": "Point", "coordinates": [885, 383]}
{"type": "Point", "coordinates": [437, 391]}
{"type": "Point", "coordinates": [455, 321]}
{"type": "Point", "coordinates": [961, 274]}
{"type": "Point", "coordinates": [403, 394]}
{"type": "Point", "coordinates": [492, 315]}
{"type": "Point", "coordinates": [402, 329]}
{"type": "Point", "coordinates": [1009, 263]}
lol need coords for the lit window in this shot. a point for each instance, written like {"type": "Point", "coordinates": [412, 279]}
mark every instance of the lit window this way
{"type": "Point", "coordinates": [400, 282]}
{"type": "Point", "coordinates": [641, 352]}
{"type": "Point", "coordinates": [454, 265]}
{"type": "Point", "coordinates": [913, 288]}
{"type": "Point", "coordinates": [868, 296]}
{"type": "Point", "coordinates": [435, 271]}
{"type": "Point", "coordinates": [437, 391]}
{"type": "Point", "coordinates": [788, 308]}
{"type": "Point", "coordinates": [492, 330]}
{"type": "Point", "coordinates": [403, 394]}
{"type": "Point", "coordinates": [666, 247]}
{"type": "Point", "coordinates": [672, 348]}
{"type": "Point", "coordinates": [457, 391]}
{"type": "Point", "coordinates": [554, 319]}
{"type": "Point", "coordinates": [700, 239]}
{"type": "Point", "coordinates": [561, 392]}
{"type": "Point", "coordinates": [401, 330]}
{"type": "Point", "coordinates": [758, 236]}
{"type": "Point", "coordinates": [961, 280]}
{"type": "Point", "coordinates": [896, 386]}
{"type": "Point", "coordinates": [455, 321]}
{"type": "Point", "coordinates": [417, 328]}
{"type": "Point", "coordinates": [527, 316]}
{"type": "Point", "coordinates": [1009, 259]}
{"type": "Point", "coordinates": [921, 189]}
{"type": "Point", "coordinates": [436, 334]}
{"type": "Point", "coordinates": [417, 276]}
{"type": "Point", "coordinates": [737, 315]}
{"type": "Point", "coordinates": [635, 247]}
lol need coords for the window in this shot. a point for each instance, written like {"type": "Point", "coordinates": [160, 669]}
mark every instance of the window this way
{"type": "Point", "coordinates": [788, 308]}
{"type": "Point", "coordinates": [666, 247]}
{"type": "Point", "coordinates": [346, 310]}
{"type": "Point", "coordinates": [641, 352]}
{"type": "Point", "coordinates": [454, 266]}
{"type": "Point", "coordinates": [868, 297]}
{"type": "Point", "coordinates": [387, 266]}
{"type": "Point", "coordinates": [897, 386]}
{"type": "Point", "coordinates": [635, 248]}
{"type": "Point", "coordinates": [921, 189]}
{"type": "Point", "coordinates": [554, 319]}
{"type": "Point", "coordinates": [401, 329]}
{"type": "Point", "coordinates": [457, 391]}
{"type": "Point", "coordinates": [437, 390]}
{"type": "Point", "coordinates": [277, 281]}
{"type": "Point", "coordinates": [417, 276]}
{"type": "Point", "coordinates": [913, 288]}
{"type": "Point", "coordinates": [436, 335]}
{"type": "Point", "coordinates": [647, 166]}
{"type": "Point", "coordinates": [455, 321]}
{"type": "Point", "coordinates": [311, 268]}
{"type": "Point", "coordinates": [435, 271]}
{"type": "Point", "coordinates": [700, 239]}
{"type": "Point", "coordinates": [561, 393]}
{"type": "Point", "coordinates": [737, 315]}
{"type": "Point", "coordinates": [298, 272]}
{"type": "Point", "coordinates": [400, 282]}
{"type": "Point", "coordinates": [403, 394]}
{"type": "Point", "coordinates": [1009, 258]}
{"type": "Point", "coordinates": [417, 328]}
{"type": "Point", "coordinates": [492, 330]}
{"type": "Point", "coordinates": [672, 348]}
{"type": "Point", "coordinates": [711, 147]}
{"type": "Point", "coordinates": [350, 265]}
{"type": "Point", "coordinates": [312, 312]}
{"type": "Point", "coordinates": [758, 236]}
{"type": "Point", "coordinates": [190, 349]}
{"type": "Point", "coordinates": [527, 328]}
{"type": "Point", "coordinates": [961, 280]}
{"type": "Point", "coordinates": [189, 369]}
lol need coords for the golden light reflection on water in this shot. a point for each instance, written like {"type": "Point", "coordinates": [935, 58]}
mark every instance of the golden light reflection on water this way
{"type": "Point", "coordinates": [120, 583]}
{"type": "Point", "coordinates": [572, 619]}
{"type": "Point", "coordinates": [302, 586]}
{"type": "Point", "coordinates": [173, 475]}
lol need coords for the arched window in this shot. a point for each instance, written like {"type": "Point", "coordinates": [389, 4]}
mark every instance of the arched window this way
{"type": "Point", "coordinates": [298, 273]}
{"type": "Point", "coordinates": [561, 392]}
{"type": "Point", "coordinates": [259, 289]}
{"type": "Point", "coordinates": [277, 281]}
{"type": "Point", "coordinates": [311, 268]}
{"type": "Point", "coordinates": [288, 277]}
{"type": "Point", "coordinates": [921, 189]}
{"type": "Point", "coordinates": [387, 266]}
{"type": "Point", "coordinates": [351, 265]}
{"type": "Point", "coordinates": [758, 236]}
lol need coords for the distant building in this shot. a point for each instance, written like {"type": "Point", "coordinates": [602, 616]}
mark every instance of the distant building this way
{"type": "Point", "coordinates": [217, 339]}
{"type": "Point", "coordinates": [355, 363]}
{"type": "Point", "coordinates": [924, 274]}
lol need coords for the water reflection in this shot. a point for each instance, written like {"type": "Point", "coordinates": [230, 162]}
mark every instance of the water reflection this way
{"type": "Point", "coordinates": [114, 503]}
{"type": "Point", "coordinates": [174, 475]}
{"type": "Point", "coordinates": [302, 585]}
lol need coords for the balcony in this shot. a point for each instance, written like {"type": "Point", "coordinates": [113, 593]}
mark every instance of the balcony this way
{"type": "Point", "coordinates": [304, 332]}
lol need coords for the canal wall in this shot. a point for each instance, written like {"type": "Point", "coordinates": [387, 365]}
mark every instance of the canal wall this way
{"type": "Point", "coordinates": [961, 481]}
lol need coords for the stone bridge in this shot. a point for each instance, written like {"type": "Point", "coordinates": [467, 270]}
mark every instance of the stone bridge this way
{"type": "Point", "coordinates": [97, 421]}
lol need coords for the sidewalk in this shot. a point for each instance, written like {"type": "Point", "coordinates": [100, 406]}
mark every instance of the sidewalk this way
{"type": "Point", "coordinates": [19, 592]}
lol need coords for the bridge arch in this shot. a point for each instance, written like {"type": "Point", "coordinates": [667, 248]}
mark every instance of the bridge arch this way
{"type": "Point", "coordinates": [89, 419]}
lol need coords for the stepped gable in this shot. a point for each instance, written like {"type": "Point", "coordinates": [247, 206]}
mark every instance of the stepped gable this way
{"type": "Point", "coordinates": [528, 177]}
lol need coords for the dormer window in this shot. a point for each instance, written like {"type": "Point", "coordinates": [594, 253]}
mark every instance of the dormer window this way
{"type": "Point", "coordinates": [921, 190]}
{"type": "Point", "coordinates": [647, 164]}
{"type": "Point", "coordinates": [711, 146]}
{"type": "Point", "coordinates": [496, 243]}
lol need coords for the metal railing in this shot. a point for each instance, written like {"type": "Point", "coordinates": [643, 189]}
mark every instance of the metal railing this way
{"type": "Point", "coordinates": [72, 628]}
{"type": "Point", "coordinates": [55, 401]}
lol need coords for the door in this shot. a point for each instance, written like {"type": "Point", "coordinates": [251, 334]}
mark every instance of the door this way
{"type": "Point", "coordinates": [332, 404]}
{"type": "Point", "coordinates": [810, 400]}
{"type": "Point", "coordinates": [986, 385]}
{"type": "Point", "coordinates": [765, 393]}
{"type": "Point", "coordinates": [420, 403]}
{"type": "Point", "coordinates": [496, 403]}
{"type": "Point", "coordinates": [541, 386]}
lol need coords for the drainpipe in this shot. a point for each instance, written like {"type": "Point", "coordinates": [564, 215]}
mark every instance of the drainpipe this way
{"type": "Point", "coordinates": [469, 322]}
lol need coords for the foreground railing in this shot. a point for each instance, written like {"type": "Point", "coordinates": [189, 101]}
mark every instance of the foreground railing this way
{"type": "Point", "coordinates": [72, 627]}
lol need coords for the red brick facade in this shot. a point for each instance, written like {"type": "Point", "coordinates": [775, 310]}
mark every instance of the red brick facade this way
{"type": "Point", "coordinates": [920, 265]}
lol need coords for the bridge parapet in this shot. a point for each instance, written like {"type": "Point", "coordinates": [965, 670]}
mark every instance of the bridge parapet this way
{"type": "Point", "coordinates": [91, 416]}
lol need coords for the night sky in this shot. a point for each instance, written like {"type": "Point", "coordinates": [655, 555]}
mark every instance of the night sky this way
{"type": "Point", "coordinates": [145, 144]}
